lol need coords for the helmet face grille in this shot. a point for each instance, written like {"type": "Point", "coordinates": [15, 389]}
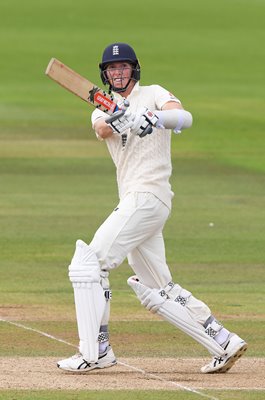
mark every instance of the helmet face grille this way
{"type": "Point", "coordinates": [118, 52]}
{"type": "Point", "coordinates": [135, 76]}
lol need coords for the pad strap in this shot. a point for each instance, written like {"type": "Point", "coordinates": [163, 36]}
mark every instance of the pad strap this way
{"type": "Point", "coordinates": [174, 313]}
{"type": "Point", "coordinates": [103, 337]}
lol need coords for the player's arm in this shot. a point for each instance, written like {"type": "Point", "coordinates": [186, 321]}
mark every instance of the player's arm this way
{"type": "Point", "coordinates": [102, 129]}
{"type": "Point", "coordinates": [171, 105]}
{"type": "Point", "coordinates": [119, 122]}
{"type": "Point", "coordinates": [171, 116]}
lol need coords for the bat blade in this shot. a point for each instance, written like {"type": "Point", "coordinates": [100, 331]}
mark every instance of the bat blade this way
{"type": "Point", "coordinates": [80, 86]}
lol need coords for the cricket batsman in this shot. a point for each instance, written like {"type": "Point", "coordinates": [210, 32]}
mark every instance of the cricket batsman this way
{"type": "Point", "coordinates": [138, 138]}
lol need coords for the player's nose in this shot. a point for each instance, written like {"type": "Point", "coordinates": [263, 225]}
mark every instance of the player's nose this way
{"type": "Point", "coordinates": [118, 71]}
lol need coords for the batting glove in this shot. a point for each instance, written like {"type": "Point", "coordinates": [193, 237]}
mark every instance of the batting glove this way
{"type": "Point", "coordinates": [143, 122]}
{"type": "Point", "coordinates": [120, 121]}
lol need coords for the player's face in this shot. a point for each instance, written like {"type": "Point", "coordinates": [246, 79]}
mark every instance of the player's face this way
{"type": "Point", "coordinates": [119, 74]}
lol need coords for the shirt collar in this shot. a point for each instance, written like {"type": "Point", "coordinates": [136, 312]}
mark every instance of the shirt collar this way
{"type": "Point", "coordinates": [134, 91]}
{"type": "Point", "coordinates": [135, 88]}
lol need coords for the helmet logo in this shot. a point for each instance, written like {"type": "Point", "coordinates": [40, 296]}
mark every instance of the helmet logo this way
{"type": "Point", "coordinates": [115, 50]}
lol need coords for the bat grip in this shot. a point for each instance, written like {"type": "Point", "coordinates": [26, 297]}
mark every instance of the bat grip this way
{"type": "Point", "coordinates": [115, 116]}
{"type": "Point", "coordinates": [126, 103]}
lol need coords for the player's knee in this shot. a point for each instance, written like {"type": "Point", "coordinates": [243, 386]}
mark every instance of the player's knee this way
{"type": "Point", "coordinates": [84, 267]}
{"type": "Point", "coordinates": [112, 258]}
{"type": "Point", "coordinates": [196, 308]}
{"type": "Point", "coordinates": [149, 298]}
{"type": "Point", "coordinates": [175, 292]}
{"type": "Point", "coordinates": [153, 298]}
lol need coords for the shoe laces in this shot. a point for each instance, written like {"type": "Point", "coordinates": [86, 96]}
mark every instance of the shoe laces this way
{"type": "Point", "coordinates": [218, 360]}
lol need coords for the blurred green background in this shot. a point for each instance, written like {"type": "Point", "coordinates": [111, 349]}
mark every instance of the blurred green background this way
{"type": "Point", "coordinates": [58, 182]}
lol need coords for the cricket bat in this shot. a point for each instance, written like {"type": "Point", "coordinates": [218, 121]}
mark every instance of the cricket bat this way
{"type": "Point", "coordinates": [80, 86]}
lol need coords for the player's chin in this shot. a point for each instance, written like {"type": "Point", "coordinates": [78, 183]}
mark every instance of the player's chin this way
{"type": "Point", "coordinates": [118, 88]}
{"type": "Point", "coordinates": [118, 84]}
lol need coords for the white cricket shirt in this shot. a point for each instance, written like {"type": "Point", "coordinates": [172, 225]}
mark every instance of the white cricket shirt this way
{"type": "Point", "coordinates": [144, 165]}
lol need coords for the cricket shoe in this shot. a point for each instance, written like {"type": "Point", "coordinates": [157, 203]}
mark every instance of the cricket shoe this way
{"type": "Point", "coordinates": [77, 363]}
{"type": "Point", "coordinates": [235, 348]}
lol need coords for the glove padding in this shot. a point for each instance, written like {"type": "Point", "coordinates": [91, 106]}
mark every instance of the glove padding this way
{"type": "Point", "coordinates": [122, 119]}
{"type": "Point", "coordinates": [143, 122]}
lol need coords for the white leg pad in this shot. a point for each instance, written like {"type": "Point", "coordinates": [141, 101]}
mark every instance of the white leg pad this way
{"type": "Point", "coordinates": [84, 273]}
{"type": "Point", "coordinates": [175, 313]}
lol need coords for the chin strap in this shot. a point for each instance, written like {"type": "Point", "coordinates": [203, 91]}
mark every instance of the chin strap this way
{"type": "Point", "coordinates": [119, 90]}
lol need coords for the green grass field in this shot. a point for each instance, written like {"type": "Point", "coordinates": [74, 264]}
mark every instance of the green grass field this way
{"type": "Point", "coordinates": [58, 182]}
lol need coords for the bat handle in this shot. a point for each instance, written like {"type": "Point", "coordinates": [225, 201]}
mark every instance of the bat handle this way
{"type": "Point", "coordinates": [119, 113]}
{"type": "Point", "coordinates": [126, 103]}
{"type": "Point", "coordinates": [115, 116]}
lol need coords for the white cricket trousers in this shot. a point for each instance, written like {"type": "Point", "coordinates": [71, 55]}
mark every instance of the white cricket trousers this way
{"type": "Point", "coordinates": [134, 230]}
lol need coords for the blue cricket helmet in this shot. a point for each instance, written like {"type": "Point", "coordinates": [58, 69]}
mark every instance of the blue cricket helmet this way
{"type": "Point", "coordinates": [118, 52]}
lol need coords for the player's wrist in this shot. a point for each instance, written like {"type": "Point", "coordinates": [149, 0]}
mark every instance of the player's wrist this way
{"type": "Point", "coordinates": [102, 129]}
